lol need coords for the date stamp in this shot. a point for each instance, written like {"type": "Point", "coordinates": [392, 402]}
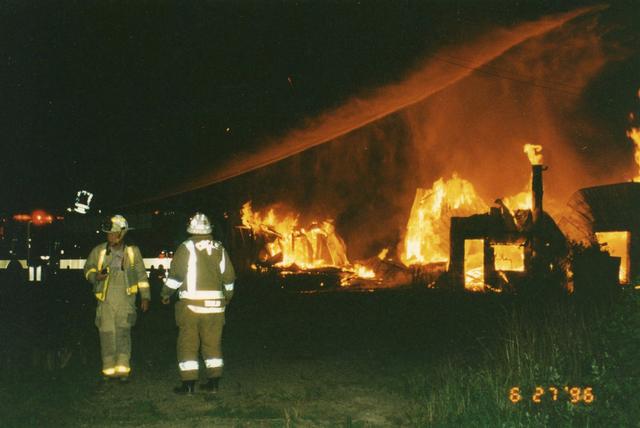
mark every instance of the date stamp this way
{"type": "Point", "coordinates": [551, 393]}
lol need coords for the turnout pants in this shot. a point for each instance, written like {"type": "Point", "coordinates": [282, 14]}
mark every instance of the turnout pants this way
{"type": "Point", "coordinates": [199, 332]}
{"type": "Point", "coordinates": [114, 318]}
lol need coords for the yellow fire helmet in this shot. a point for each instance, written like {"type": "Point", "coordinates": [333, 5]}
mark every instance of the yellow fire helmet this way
{"type": "Point", "coordinates": [199, 225]}
{"type": "Point", "coordinates": [117, 223]}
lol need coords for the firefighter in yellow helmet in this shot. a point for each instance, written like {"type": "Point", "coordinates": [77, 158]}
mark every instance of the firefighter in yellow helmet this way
{"type": "Point", "coordinates": [117, 273]}
{"type": "Point", "coordinates": [202, 272]}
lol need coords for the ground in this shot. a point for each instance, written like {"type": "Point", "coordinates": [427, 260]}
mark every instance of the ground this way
{"type": "Point", "coordinates": [325, 360]}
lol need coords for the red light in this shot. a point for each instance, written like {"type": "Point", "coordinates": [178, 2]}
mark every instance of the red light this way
{"type": "Point", "coordinates": [39, 217]}
{"type": "Point", "coordinates": [22, 217]}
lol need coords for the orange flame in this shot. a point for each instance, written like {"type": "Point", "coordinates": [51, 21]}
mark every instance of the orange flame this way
{"type": "Point", "coordinates": [524, 200]}
{"type": "Point", "coordinates": [520, 201]}
{"type": "Point", "coordinates": [363, 271]}
{"type": "Point", "coordinates": [634, 134]}
{"type": "Point", "coordinates": [427, 237]}
{"type": "Point", "coordinates": [617, 244]}
{"type": "Point", "coordinates": [534, 152]}
{"type": "Point", "coordinates": [509, 257]}
{"type": "Point", "coordinates": [318, 246]}
{"type": "Point", "coordinates": [474, 264]}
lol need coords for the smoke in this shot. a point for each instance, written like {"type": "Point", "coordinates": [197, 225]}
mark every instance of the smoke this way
{"type": "Point", "coordinates": [431, 77]}
{"type": "Point", "coordinates": [468, 110]}
{"type": "Point", "coordinates": [476, 127]}
{"type": "Point", "coordinates": [530, 95]}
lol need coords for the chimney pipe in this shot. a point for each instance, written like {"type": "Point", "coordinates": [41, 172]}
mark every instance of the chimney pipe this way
{"type": "Point", "coordinates": [536, 193]}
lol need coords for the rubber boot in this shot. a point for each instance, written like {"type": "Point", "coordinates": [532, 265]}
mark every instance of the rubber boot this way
{"type": "Point", "coordinates": [211, 386]}
{"type": "Point", "coordinates": [188, 387]}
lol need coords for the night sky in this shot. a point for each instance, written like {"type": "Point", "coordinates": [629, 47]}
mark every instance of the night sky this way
{"type": "Point", "coordinates": [137, 100]}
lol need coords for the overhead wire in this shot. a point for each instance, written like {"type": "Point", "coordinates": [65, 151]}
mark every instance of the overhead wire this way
{"type": "Point", "coordinates": [483, 69]}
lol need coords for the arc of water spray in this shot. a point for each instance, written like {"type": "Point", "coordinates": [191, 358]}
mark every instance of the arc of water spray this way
{"type": "Point", "coordinates": [430, 78]}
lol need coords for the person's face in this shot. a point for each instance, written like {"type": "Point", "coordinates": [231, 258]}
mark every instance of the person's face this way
{"type": "Point", "coordinates": [114, 238]}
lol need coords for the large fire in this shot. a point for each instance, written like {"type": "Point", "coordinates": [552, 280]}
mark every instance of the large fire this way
{"type": "Point", "coordinates": [290, 246]}
{"type": "Point", "coordinates": [426, 241]}
{"type": "Point", "coordinates": [316, 246]}
{"type": "Point", "coordinates": [427, 237]}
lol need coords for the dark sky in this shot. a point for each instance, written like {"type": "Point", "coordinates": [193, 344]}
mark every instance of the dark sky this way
{"type": "Point", "coordinates": [133, 99]}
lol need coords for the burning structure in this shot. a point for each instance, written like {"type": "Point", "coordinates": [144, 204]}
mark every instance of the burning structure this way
{"type": "Point", "coordinates": [510, 244]}
{"type": "Point", "coordinates": [454, 240]}
{"type": "Point", "coordinates": [608, 216]}
{"type": "Point", "coordinates": [300, 253]}
{"type": "Point", "coordinates": [493, 249]}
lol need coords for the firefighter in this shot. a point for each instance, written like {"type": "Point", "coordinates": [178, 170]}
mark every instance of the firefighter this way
{"type": "Point", "coordinates": [202, 272]}
{"type": "Point", "coordinates": [117, 273]}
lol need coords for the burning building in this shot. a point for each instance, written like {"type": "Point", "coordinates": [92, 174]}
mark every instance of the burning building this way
{"type": "Point", "coordinates": [497, 248]}
{"type": "Point", "coordinates": [608, 215]}
{"type": "Point", "coordinates": [301, 253]}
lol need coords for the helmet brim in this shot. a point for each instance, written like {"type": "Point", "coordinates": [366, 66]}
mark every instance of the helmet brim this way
{"type": "Point", "coordinates": [117, 231]}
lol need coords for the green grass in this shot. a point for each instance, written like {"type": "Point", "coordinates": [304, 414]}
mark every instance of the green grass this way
{"type": "Point", "coordinates": [413, 359]}
{"type": "Point", "coordinates": [567, 344]}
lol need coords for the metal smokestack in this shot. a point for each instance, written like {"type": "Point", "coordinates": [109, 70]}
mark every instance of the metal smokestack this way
{"type": "Point", "coordinates": [536, 193]}
{"type": "Point", "coordinates": [534, 153]}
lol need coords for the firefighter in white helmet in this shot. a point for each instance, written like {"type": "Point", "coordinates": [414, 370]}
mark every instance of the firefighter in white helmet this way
{"type": "Point", "coordinates": [203, 274]}
{"type": "Point", "coordinates": [117, 273]}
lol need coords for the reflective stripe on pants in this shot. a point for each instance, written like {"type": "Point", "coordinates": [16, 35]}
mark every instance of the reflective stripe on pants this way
{"type": "Point", "coordinates": [199, 332]}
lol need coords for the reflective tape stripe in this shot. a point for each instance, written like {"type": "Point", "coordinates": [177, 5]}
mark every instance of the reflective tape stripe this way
{"type": "Point", "coordinates": [109, 372]}
{"type": "Point", "coordinates": [122, 369]}
{"type": "Point", "coordinates": [191, 266]}
{"type": "Point", "coordinates": [90, 271]}
{"type": "Point", "coordinates": [222, 263]}
{"type": "Point", "coordinates": [172, 283]}
{"type": "Point", "coordinates": [143, 284]}
{"type": "Point", "coordinates": [203, 310]}
{"type": "Point", "coordinates": [213, 362]}
{"type": "Point", "coordinates": [35, 273]}
{"type": "Point", "coordinates": [133, 289]}
{"type": "Point", "coordinates": [130, 252]}
{"type": "Point", "coordinates": [101, 258]}
{"type": "Point", "coordinates": [201, 294]}
{"type": "Point", "coordinates": [228, 287]}
{"type": "Point", "coordinates": [102, 295]}
{"type": "Point", "coordinates": [188, 365]}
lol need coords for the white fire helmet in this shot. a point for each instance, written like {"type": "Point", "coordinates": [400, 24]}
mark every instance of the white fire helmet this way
{"type": "Point", "coordinates": [199, 225]}
{"type": "Point", "coordinates": [117, 223]}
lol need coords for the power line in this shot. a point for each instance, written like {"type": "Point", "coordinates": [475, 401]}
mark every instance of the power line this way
{"type": "Point", "coordinates": [482, 69]}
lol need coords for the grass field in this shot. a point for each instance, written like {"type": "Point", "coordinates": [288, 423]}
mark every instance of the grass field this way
{"type": "Point", "coordinates": [395, 358]}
